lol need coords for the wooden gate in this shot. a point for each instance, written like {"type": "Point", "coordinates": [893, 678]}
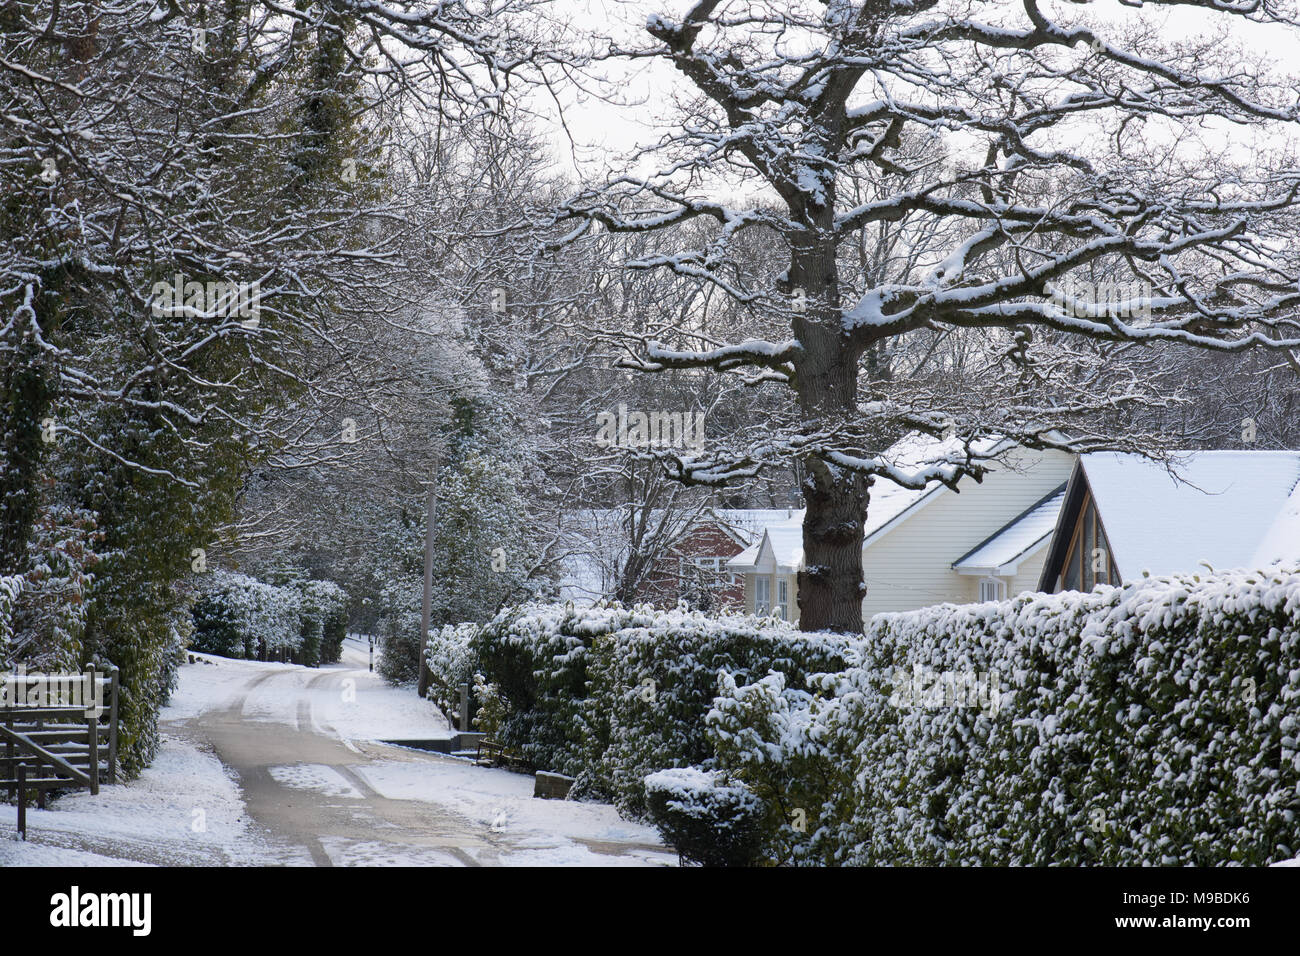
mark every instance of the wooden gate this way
{"type": "Point", "coordinates": [57, 746]}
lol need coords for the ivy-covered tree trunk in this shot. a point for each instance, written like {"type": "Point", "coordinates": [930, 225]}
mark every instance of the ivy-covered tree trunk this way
{"type": "Point", "coordinates": [25, 396]}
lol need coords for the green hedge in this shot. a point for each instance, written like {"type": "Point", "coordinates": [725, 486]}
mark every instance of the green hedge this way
{"type": "Point", "coordinates": [535, 658]}
{"type": "Point", "coordinates": [653, 683]}
{"type": "Point", "coordinates": [1150, 724]}
{"type": "Point", "coordinates": [235, 615]}
{"type": "Point", "coordinates": [610, 694]}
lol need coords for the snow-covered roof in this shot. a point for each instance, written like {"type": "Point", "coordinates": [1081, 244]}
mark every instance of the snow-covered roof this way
{"type": "Point", "coordinates": [1230, 509]}
{"type": "Point", "coordinates": [746, 560]}
{"type": "Point", "coordinates": [747, 524]}
{"type": "Point", "coordinates": [783, 539]}
{"type": "Point", "coordinates": [889, 504]}
{"type": "Point", "coordinates": [1023, 536]}
{"type": "Point", "coordinates": [787, 545]}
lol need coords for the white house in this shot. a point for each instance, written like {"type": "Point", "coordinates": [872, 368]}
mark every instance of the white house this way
{"type": "Point", "coordinates": [932, 545]}
{"type": "Point", "coordinates": [1125, 515]}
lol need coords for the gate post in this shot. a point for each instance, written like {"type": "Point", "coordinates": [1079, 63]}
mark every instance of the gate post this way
{"type": "Point", "coordinates": [112, 726]}
{"type": "Point", "coordinates": [22, 801]}
{"type": "Point", "coordinates": [92, 725]}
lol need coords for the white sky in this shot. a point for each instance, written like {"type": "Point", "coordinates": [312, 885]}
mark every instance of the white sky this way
{"type": "Point", "coordinates": [630, 105]}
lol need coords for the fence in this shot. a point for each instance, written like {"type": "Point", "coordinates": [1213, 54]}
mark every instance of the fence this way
{"type": "Point", "coordinates": [56, 743]}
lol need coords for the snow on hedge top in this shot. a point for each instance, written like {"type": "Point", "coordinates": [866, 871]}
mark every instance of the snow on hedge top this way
{"type": "Point", "coordinates": [700, 793]}
{"type": "Point", "coordinates": [1231, 509]}
{"type": "Point", "coordinates": [683, 780]}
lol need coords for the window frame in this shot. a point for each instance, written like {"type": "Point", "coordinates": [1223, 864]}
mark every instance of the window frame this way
{"type": "Point", "coordinates": [1077, 572]}
{"type": "Point", "coordinates": [763, 585]}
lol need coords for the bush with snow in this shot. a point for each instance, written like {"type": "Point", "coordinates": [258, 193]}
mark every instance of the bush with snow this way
{"type": "Point", "coordinates": [452, 662]}
{"type": "Point", "coordinates": [323, 621]}
{"type": "Point", "coordinates": [236, 615]}
{"type": "Point", "coordinates": [43, 609]}
{"type": "Point", "coordinates": [1154, 723]}
{"type": "Point", "coordinates": [608, 694]}
{"type": "Point", "coordinates": [537, 657]}
{"type": "Point", "coordinates": [707, 820]}
{"type": "Point", "coordinates": [652, 683]}
{"type": "Point", "coordinates": [10, 587]}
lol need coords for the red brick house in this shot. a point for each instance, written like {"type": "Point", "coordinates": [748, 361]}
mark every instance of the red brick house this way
{"type": "Point", "coordinates": [694, 568]}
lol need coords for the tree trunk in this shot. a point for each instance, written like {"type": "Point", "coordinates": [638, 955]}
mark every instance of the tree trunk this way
{"type": "Point", "coordinates": [830, 587]}
{"type": "Point", "coordinates": [426, 605]}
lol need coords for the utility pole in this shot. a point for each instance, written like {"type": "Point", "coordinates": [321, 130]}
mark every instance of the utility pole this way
{"type": "Point", "coordinates": [426, 611]}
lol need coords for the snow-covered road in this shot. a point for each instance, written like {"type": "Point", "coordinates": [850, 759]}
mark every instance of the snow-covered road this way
{"type": "Point", "coordinates": [266, 764]}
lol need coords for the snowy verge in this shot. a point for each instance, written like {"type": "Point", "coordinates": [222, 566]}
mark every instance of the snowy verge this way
{"type": "Point", "coordinates": [185, 809]}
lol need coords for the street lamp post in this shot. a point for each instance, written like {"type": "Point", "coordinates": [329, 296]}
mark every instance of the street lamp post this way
{"type": "Point", "coordinates": [426, 610]}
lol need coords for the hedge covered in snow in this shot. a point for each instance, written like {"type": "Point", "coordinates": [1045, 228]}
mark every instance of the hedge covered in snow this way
{"type": "Point", "coordinates": [609, 694]}
{"type": "Point", "coordinates": [236, 615]}
{"type": "Point", "coordinates": [452, 662]}
{"type": "Point", "coordinates": [10, 587]}
{"type": "Point", "coordinates": [653, 682]}
{"type": "Point", "coordinates": [1154, 723]}
{"type": "Point", "coordinates": [709, 821]}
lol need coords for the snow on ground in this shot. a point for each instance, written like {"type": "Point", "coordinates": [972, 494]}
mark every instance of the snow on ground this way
{"type": "Point", "coordinates": [30, 854]}
{"type": "Point", "coordinates": [315, 777]}
{"type": "Point", "coordinates": [504, 802]}
{"type": "Point", "coordinates": [188, 808]}
{"type": "Point", "coordinates": [369, 853]}
{"type": "Point", "coordinates": [346, 700]}
{"type": "Point", "coordinates": [184, 809]}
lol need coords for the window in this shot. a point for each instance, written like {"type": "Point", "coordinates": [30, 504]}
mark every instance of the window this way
{"type": "Point", "coordinates": [992, 590]}
{"type": "Point", "coordinates": [1088, 562]}
{"type": "Point", "coordinates": [762, 594]}
{"type": "Point", "coordinates": [1072, 570]}
{"type": "Point", "coordinates": [715, 572]}
{"type": "Point", "coordinates": [782, 598]}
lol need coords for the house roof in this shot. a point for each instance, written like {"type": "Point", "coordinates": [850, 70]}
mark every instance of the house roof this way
{"type": "Point", "coordinates": [1029, 532]}
{"type": "Point", "coordinates": [890, 504]}
{"type": "Point", "coordinates": [746, 524]}
{"type": "Point", "coordinates": [783, 540]}
{"type": "Point", "coordinates": [1229, 509]}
